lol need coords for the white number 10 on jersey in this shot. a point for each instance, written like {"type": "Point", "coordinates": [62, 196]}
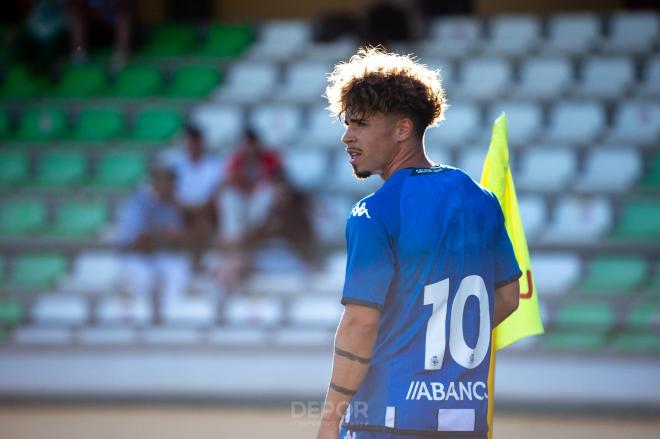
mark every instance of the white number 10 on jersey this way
{"type": "Point", "coordinates": [437, 294]}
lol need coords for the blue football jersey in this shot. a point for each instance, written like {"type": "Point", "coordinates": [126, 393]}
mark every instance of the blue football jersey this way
{"type": "Point", "coordinates": [428, 249]}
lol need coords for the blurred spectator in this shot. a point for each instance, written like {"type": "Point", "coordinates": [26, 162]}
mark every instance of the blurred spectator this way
{"type": "Point", "coordinates": [94, 22]}
{"type": "Point", "coordinates": [198, 175]}
{"type": "Point", "coordinates": [152, 235]}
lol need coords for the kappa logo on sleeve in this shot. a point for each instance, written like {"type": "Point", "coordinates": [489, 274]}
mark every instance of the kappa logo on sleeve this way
{"type": "Point", "coordinates": [360, 209]}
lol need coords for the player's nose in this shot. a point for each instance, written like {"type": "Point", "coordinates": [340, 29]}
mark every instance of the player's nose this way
{"type": "Point", "coordinates": [348, 137]}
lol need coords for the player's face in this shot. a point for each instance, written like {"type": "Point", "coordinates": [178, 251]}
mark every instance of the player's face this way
{"type": "Point", "coordinates": [370, 143]}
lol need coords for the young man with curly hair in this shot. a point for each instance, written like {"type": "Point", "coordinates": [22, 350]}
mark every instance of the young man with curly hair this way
{"type": "Point", "coordinates": [430, 267]}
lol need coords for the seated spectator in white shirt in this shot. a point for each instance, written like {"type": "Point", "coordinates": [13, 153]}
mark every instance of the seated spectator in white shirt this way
{"type": "Point", "coordinates": [154, 241]}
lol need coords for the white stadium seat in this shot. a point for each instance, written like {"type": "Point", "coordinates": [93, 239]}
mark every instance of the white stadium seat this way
{"type": "Point", "coordinates": [168, 336]}
{"type": "Point", "coordinates": [579, 220]}
{"type": "Point", "coordinates": [471, 160]}
{"type": "Point", "coordinates": [555, 273]}
{"type": "Point", "coordinates": [303, 337]}
{"type": "Point", "coordinates": [331, 52]}
{"type": "Point", "coordinates": [237, 337]}
{"type": "Point", "coordinates": [222, 125]}
{"type": "Point", "coordinates": [190, 311]}
{"type": "Point", "coordinates": [606, 77]}
{"type": "Point", "coordinates": [610, 169]}
{"type": "Point", "coordinates": [513, 35]}
{"type": "Point", "coordinates": [108, 336]}
{"type": "Point", "coordinates": [281, 40]}
{"type": "Point", "coordinates": [546, 169]}
{"type": "Point", "coordinates": [462, 124]}
{"type": "Point", "coordinates": [525, 120]}
{"type": "Point", "coordinates": [275, 283]}
{"type": "Point", "coordinates": [323, 130]}
{"type": "Point", "coordinates": [248, 82]}
{"type": "Point", "coordinates": [636, 122]}
{"type": "Point", "coordinates": [533, 212]}
{"type": "Point", "coordinates": [484, 79]}
{"type": "Point", "coordinates": [572, 34]}
{"type": "Point", "coordinates": [253, 311]}
{"type": "Point", "coordinates": [60, 309]}
{"type": "Point", "coordinates": [575, 123]}
{"type": "Point", "coordinates": [277, 125]}
{"type": "Point", "coordinates": [315, 311]}
{"type": "Point", "coordinates": [304, 82]}
{"type": "Point", "coordinates": [632, 32]}
{"type": "Point", "coordinates": [39, 335]}
{"type": "Point", "coordinates": [447, 70]}
{"type": "Point", "coordinates": [650, 85]}
{"type": "Point", "coordinates": [544, 78]}
{"type": "Point", "coordinates": [307, 168]}
{"type": "Point", "coordinates": [124, 311]}
{"type": "Point", "coordinates": [453, 37]}
{"type": "Point", "coordinates": [94, 272]}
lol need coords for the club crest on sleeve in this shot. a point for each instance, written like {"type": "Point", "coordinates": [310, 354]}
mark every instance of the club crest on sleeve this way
{"type": "Point", "coordinates": [360, 209]}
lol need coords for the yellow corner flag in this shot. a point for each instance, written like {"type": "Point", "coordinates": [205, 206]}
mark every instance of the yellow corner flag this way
{"type": "Point", "coordinates": [526, 320]}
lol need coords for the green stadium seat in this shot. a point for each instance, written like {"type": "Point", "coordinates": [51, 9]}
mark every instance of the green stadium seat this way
{"type": "Point", "coordinates": [119, 170]}
{"type": "Point", "coordinates": [594, 316]}
{"type": "Point", "coordinates": [653, 286]}
{"type": "Point", "coordinates": [644, 316]}
{"type": "Point", "coordinates": [60, 169]}
{"type": "Point", "coordinates": [640, 220]}
{"type": "Point", "coordinates": [137, 81]}
{"type": "Point", "coordinates": [169, 40]}
{"type": "Point", "coordinates": [99, 124]}
{"type": "Point", "coordinates": [573, 341]}
{"type": "Point", "coordinates": [614, 275]}
{"type": "Point", "coordinates": [652, 177]}
{"type": "Point", "coordinates": [4, 124]}
{"type": "Point", "coordinates": [20, 83]}
{"type": "Point", "coordinates": [14, 168]}
{"type": "Point", "coordinates": [79, 81]}
{"type": "Point", "coordinates": [11, 312]}
{"type": "Point", "coordinates": [80, 218]}
{"type": "Point", "coordinates": [156, 125]}
{"type": "Point", "coordinates": [41, 124]}
{"type": "Point", "coordinates": [21, 217]}
{"type": "Point", "coordinates": [637, 343]}
{"type": "Point", "coordinates": [194, 81]}
{"type": "Point", "coordinates": [36, 271]}
{"type": "Point", "coordinates": [226, 41]}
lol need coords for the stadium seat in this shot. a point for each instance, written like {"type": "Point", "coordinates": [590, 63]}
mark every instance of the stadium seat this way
{"type": "Point", "coordinates": [307, 168]}
{"type": "Point", "coordinates": [43, 336]}
{"type": "Point", "coordinates": [632, 32]}
{"type": "Point", "coordinates": [4, 124]}
{"type": "Point", "coordinates": [41, 124]}
{"type": "Point", "coordinates": [190, 312]}
{"type": "Point", "coordinates": [14, 169]}
{"type": "Point", "coordinates": [171, 336]}
{"type": "Point", "coordinates": [119, 170]}
{"type": "Point", "coordinates": [93, 272]}
{"type": "Point", "coordinates": [652, 176]}
{"type": "Point", "coordinates": [226, 41]}
{"type": "Point", "coordinates": [20, 83]}
{"type": "Point", "coordinates": [11, 312]}
{"type": "Point", "coordinates": [80, 218]}
{"type": "Point", "coordinates": [35, 271]}
{"type": "Point", "coordinates": [98, 124]}
{"type": "Point", "coordinates": [222, 125]}
{"type": "Point", "coordinates": [59, 309]}
{"type": "Point", "coordinates": [555, 273]}
{"type": "Point", "coordinates": [23, 216]}
{"type": "Point", "coordinates": [484, 79]}
{"type": "Point", "coordinates": [575, 123]}
{"type": "Point", "coordinates": [606, 77]}
{"type": "Point", "coordinates": [650, 85]}
{"type": "Point", "coordinates": [546, 169]}
{"type": "Point", "coordinates": [137, 81]}
{"type": "Point", "coordinates": [194, 81]}
{"type": "Point", "coordinates": [587, 316]}
{"type": "Point", "coordinates": [533, 212]}
{"type": "Point", "coordinates": [573, 341]}
{"type": "Point", "coordinates": [281, 40]}
{"type": "Point", "coordinates": [462, 125]}
{"type": "Point", "coordinates": [274, 282]}
{"type": "Point", "coordinates": [525, 120]}
{"type": "Point", "coordinates": [331, 51]}
{"type": "Point", "coordinates": [544, 78]}
{"type": "Point", "coordinates": [471, 160]}
{"type": "Point", "coordinates": [639, 220]}
{"type": "Point", "coordinates": [572, 34]}
{"type": "Point", "coordinates": [637, 342]}
{"type": "Point", "coordinates": [276, 124]}
{"type": "Point", "coordinates": [315, 311]}
{"type": "Point", "coordinates": [614, 275]}
{"type": "Point", "coordinates": [60, 169]}
{"type": "Point", "coordinates": [124, 311]}
{"type": "Point", "coordinates": [156, 125]}
{"type": "Point", "coordinates": [636, 122]}
{"type": "Point", "coordinates": [513, 35]}
{"type": "Point", "coordinates": [79, 81]}
{"type": "Point", "coordinates": [169, 40]}
{"type": "Point", "coordinates": [252, 312]}
{"type": "Point", "coordinates": [323, 130]}
{"type": "Point", "coordinates": [303, 337]}
{"type": "Point", "coordinates": [304, 82]}
{"type": "Point", "coordinates": [610, 169]}
{"type": "Point", "coordinates": [248, 82]}
{"type": "Point", "coordinates": [579, 220]}
{"type": "Point", "coordinates": [108, 336]}
{"type": "Point", "coordinates": [644, 316]}
{"type": "Point", "coordinates": [453, 37]}
{"type": "Point", "coordinates": [447, 71]}
{"type": "Point", "coordinates": [243, 337]}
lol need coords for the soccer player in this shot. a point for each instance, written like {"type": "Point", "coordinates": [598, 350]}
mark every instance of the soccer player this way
{"type": "Point", "coordinates": [430, 270]}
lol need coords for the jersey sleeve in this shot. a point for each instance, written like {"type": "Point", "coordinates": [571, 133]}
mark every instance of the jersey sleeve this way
{"type": "Point", "coordinates": [370, 264]}
{"type": "Point", "coordinates": [506, 266]}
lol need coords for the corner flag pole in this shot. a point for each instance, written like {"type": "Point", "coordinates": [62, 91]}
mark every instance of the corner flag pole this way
{"type": "Point", "coordinates": [526, 320]}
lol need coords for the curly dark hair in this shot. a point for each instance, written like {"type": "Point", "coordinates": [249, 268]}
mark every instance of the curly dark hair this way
{"type": "Point", "coordinates": [375, 81]}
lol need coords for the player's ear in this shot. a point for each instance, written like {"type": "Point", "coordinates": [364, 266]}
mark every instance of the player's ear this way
{"type": "Point", "coordinates": [404, 129]}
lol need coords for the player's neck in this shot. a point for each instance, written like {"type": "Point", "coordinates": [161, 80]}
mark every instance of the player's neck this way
{"type": "Point", "coordinates": [407, 156]}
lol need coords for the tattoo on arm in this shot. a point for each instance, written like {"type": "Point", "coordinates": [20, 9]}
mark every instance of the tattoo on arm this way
{"type": "Point", "coordinates": [343, 390]}
{"type": "Point", "coordinates": [352, 356]}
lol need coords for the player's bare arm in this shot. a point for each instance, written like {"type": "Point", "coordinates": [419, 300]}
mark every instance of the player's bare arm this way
{"type": "Point", "coordinates": [507, 298]}
{"type": "Point", "coordinates": [354, 343]}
